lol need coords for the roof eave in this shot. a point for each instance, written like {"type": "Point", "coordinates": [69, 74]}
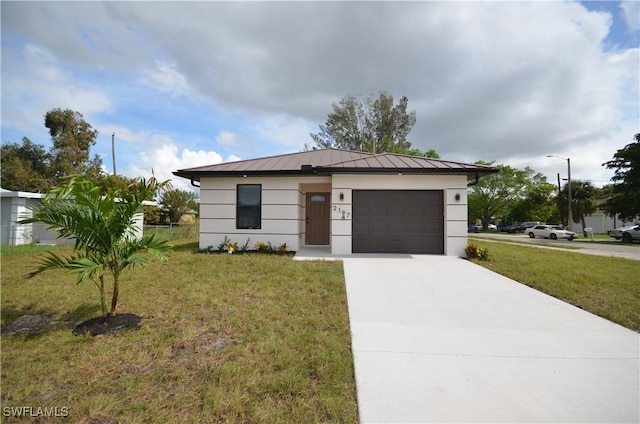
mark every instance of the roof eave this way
{"type": "Point", "coordinates": [472, 174]}
{"type": "Point", "coordinates": [219, 174]}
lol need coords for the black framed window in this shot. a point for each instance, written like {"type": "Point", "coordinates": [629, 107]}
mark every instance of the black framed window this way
{"type": "Point", "coordinates": [249, 206]}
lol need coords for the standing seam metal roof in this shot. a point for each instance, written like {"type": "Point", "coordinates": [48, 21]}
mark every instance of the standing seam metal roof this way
{"type": "Point", "coordinates": [332, 159]}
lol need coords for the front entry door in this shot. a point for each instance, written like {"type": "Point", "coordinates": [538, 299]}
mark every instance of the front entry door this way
{"type": "Point", "coordinates": [317, 223]}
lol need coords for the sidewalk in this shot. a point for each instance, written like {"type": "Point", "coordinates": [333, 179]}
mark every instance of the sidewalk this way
{"type": "Point", "coordinates": [439, 339]}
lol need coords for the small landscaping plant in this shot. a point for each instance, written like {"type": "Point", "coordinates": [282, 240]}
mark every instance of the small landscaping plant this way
{"type": "Point", "coordinates": [231, 247]}
{"type": "Point", "coordinates": [475, 252]}
{"type": "Point", "coordinates": [261, 247]}
{"type": "Point", "coordinates": [222, 247]}
{"type": "Point", "coordinates": [282, 249]}
{"type": "Point", "coordinates": [103, 229]}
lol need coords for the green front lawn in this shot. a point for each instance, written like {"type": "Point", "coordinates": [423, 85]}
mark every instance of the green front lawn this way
{"type": "Point", "coordinates": [605, 286]}
{"type": "Point", "coordinates": [224, 338]}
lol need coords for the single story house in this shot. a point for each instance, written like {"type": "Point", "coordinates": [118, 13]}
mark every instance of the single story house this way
{"type": "Point", "coordinates": [352, 202]}
{"type": "Point", "coordinates": [601, 223]}
{"type": "Point", "coordinates": [17, 205]}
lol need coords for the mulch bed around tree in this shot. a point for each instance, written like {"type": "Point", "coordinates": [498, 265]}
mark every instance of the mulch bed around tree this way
{"type": "Point", "coordinates": [104, 325]}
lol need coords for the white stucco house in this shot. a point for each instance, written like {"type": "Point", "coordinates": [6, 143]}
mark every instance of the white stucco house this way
{"type": "Point", "coordinates": [348, 201]}
{"type": "Point", "coordinates": [17, 205]}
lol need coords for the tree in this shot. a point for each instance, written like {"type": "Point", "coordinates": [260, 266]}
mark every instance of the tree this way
{"type": "Point", "coordinates": [72, 138]}
{"type": "Point", "coordinates": [583, 200]}
{"type": "Point", "coordinates": [113, 184]}
{"type": "Point", "coordinates": [625, 200]}
{"type": "Point", "coordinates": [495, 194]}
{"type": "Point", "coordinates": [370, 125]}
{"type": "Point", "coordinates": [178, 202]}
{"type": "Point", "coordinates": [538, 203]}
{"type": "Point", "coordinates": [103, 229]}
{"type": "Point", "coordinates": [28, 167]}
{"type": "Point", "coordinates": [24, 166]}
{"type": "Point", "coordinates": [431, 153]}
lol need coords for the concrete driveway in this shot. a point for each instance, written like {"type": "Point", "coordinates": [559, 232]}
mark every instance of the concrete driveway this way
{"type": "Point", "coordinates": [439, 339]}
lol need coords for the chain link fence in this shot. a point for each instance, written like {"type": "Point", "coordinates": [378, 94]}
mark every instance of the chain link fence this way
{"type": "Point", "coordinates": [173, 231]}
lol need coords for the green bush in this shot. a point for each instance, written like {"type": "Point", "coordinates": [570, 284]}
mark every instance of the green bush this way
{"type": "Point", "coordinates": [475, 252]}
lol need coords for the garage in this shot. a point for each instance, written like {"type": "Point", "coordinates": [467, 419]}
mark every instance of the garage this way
{"type": "Point", "coordinates": [398, 221]}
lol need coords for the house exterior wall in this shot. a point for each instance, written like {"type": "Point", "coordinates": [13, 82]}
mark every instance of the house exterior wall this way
{"type": "Point", "coordinates": [601, 223]}
{"type": "Point", "coordinates": [17, 205]}
{"type": "Point", "coordinates": [13, 209]}
{"type": "Point", "coordinates": [284, 201]}
{"type": "Point", "coordinates": [5, 221]}
{"type": "Point", "coordinates": [283, 210]}
{"type": "Point", "coordinates": [455, 211]}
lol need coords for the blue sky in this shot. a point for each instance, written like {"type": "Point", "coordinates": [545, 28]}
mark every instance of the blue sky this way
{"type": "Point", "coordinates": [185, 84]}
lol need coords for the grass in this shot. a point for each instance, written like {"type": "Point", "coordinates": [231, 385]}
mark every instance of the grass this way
{"type": "Point", "coordinates": [6, 250]}
{"type": "Point", "coordinates": [606, 286]}
{"type": "Point", "coordinates": [234, 339]}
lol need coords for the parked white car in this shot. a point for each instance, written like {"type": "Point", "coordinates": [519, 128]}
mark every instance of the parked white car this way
{"type": "Point", "coordinates": [627, 234]}
{"type": "Point", "coordinates": [552, 232]}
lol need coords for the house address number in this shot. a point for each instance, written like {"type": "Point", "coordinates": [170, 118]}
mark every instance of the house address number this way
{"type": "Point", "coordinates": [344, 214]}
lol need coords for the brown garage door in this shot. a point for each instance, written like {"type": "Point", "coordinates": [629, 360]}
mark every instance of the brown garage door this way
{"type": "Point", "coordinates": [407, 221]}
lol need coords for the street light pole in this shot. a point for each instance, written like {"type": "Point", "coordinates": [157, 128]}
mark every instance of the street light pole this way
{"type": "Point", "coordinates": [569, 191]}
{"type": "Point", "coordinates": [569, 186]}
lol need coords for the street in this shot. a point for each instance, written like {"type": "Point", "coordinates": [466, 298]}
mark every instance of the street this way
{"type": "Point", "coordinates": [619, 249]}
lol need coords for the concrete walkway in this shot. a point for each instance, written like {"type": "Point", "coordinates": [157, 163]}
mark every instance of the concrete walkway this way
{"type": "Point", "coordinates": [439, 339]}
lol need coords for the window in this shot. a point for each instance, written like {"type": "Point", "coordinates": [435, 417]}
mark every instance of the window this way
{"type": "Point", "coordinates": [249, 206]}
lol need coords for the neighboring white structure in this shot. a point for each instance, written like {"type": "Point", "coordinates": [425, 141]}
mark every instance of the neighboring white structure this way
{"type": "Point", "coordinates": [354, 202]}
{"type": "Point", "coordinates": [16, 205]}
{"type": "Point", "coordinates": [601, 223]}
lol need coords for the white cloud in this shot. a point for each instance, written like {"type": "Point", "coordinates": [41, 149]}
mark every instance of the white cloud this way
{"type": "Point", "coordinates": [288, 131]}
{"type": "Point", "coordinates": [34, 82]}
{"type": "Point", "coordinates": [165, 78]}
{"type": "Point", "coordinates": [631, 14]}
{"type": "Point", "coordinates": [168, 157]}
{"type": "Point", "coordinates": [227, 138]}
{"type": "Point", "coordinates": [510, 81]}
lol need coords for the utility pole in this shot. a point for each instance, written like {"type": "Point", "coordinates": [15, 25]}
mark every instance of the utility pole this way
{"type": "Point", "coordinates": [569, 190]}
{"type": "Point", "coordinates": [568, 185]}
{"type": "Point", "coordinates": [113, 151]}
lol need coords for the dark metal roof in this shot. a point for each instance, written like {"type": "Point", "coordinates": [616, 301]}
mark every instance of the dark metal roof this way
{"type": "Point", "coordinates": [330, 161]}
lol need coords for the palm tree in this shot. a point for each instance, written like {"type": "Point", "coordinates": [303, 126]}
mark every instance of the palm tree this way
{"type": "Point", "coordinates": [583, 200]}
{"type": "Point", "coordinates": [103, 229]}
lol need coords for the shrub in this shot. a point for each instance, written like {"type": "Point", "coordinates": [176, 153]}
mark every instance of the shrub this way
{"type": "Point", "coordinates": [245, 246]}
{"type": "Point", "coordinates": [261, 247]}
{"type": "Point", "coordinates": [223, 245]}
{"type": "Point", "coordinates": [475, 252]}
{"type": "Point", "coordinates": [282, 249]}
{"type": "Point", "coordinates": [231, 247]}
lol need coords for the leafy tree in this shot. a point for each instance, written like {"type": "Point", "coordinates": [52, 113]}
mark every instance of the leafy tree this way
{"type": "Point", "coordinates": [178, 202]}
{"type": "Point", "coordinates": [24, 166]}
{"type": "Point", "coordinates": [113, 184]}
{"type": "Point", "coordinates": [369, 125]}
{"type": "Point", "coordinates": [28, 167]}
{"type": "Point", "coordinates": [538, 203]}
{"type": "Point", "coordinates": [495, 194]}
{"type": "Point", "coordinates": [431, 153]}
{"type": "Point", "coordinates": [625, 199]}
{"type": "Point", "coordinates": [103, 228]}
{"type": "Point", "coordinates": [72, 138]}
{"type": "Point", "coordinates": [154, 215]}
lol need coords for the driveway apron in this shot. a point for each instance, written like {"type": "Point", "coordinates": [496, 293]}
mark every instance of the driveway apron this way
{"type": "Point", "coordinates": [440, 339]}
